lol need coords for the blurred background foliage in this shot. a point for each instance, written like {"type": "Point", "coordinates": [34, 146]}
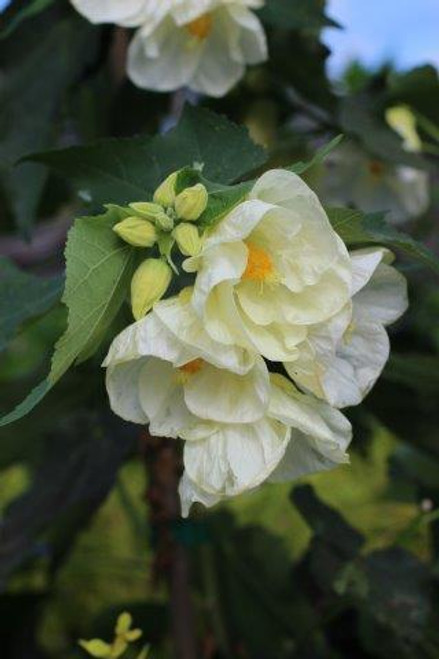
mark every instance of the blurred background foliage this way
{"type": "Point", "coordinates": [344, 565]}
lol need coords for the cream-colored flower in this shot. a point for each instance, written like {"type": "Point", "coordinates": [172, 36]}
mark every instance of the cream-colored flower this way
{"type": "Point", "coordinates": [270, 269]}
{"type": "Point", "coordinates": [341, 359]}
{"type": "Point", "coordinates": [237, 421]}
{"type": "Point", "coordinates": [205, 46]}
{"type": "Point", "coordinates": [166, 371]}
{"type": "Point", "coordinates": [298, 435]}
{"type": "Point", "coordinates": [351, 177]}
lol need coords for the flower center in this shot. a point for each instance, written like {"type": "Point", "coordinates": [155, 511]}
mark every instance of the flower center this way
{"type": "Point", "coordinates": [201, 27]}
{"type": "Point", "coordinates": [376, 168]}
{"type": "Point", "coordinates": [192, 367]}
{"type": "Point", "coordinates": [259, 264]}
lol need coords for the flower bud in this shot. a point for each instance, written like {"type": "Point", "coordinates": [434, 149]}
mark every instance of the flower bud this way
{"type": "Point", "coordinates": [147, 210]}
{"type": "Point", "coordinates": [136, 232]}
{"type": "Point", "coordinates": [153, 213]}
{"type": "Point", "coordinates": [150, 282]}
{"type": "Point", "coordinates": [188, 239]}
{"type": "Point", "coordinates": [192, 202]}
{"type": "Point", "coordinates": [164, 222]}
{"type": "Point", "coordinates": [402, 120]}
{"type": "Point", "coordinates": [165, 193]}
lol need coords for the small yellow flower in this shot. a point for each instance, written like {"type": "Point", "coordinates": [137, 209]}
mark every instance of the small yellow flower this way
{"type": "Point", "coordinates": [150, 282]}
{"type": "Point", "coordinates": [123, 636]}
{"type": "Point", "coordinates": [188, 239]}
{"type": "Point", "coordinates": [136, 231]}
{"type": "Point", "coordinates": [191, 203]}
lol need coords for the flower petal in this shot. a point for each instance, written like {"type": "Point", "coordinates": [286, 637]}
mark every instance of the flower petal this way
{"type": "Point", "coordinates": [162, 400]}
{"type": "Point", "coordinates": [128, 12]}
{"type": "Point", "coordinates": [327, 430]}
{"type": "Point", "coordinates": [122, 381]}
{"type": "Point", "coordinates": [236, 457]}
{"type": "Point", "coordinates": [173, 63]}
{"type": "Point", "coordinates": [148, 337]}
{"type": "Point", "coordinates": [179, 317]}
{"type": "Point", "coordinates": [225, 397]}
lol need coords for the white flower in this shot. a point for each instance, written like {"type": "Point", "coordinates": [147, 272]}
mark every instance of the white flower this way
{"type": "Point", "coordinates": [207, 51]}
{"type": "Point", "coordinates": [270, 269]}
{"type": "Point", "coordinates": [352, 177]}
{"type": "Point", "coordinates": [202, 44]}
{"type": "Point", "coordinates": [341, 359]}
{"type": "Point", "coordinates": [238, 424]}
{"type": "Point", "coordinates": [166, 371]}
{"type": "Point", "coordinates": [299, 435]}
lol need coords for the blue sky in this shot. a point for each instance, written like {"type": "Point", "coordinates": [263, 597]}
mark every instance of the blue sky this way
{"type": "Point", "coordinates": [406, 31]}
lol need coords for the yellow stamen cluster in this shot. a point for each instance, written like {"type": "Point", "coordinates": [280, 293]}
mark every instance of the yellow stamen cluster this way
{"type": "Point", "coordinates": [185, 372]}
{"type": "Point", "coordinates": [192, 367]}
{"type": "Point", "coordinates": [259, 264]}
{"type": "Point", "coordinates": [201, 27]}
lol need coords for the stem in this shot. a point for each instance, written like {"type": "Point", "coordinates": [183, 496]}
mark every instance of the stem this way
{"type": "Point", "coordinates": [163, 466]}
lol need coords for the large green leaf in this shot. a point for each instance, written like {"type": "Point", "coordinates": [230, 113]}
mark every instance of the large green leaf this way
{"type": "Point", "coordinates": [357, 228]}
{"type": "Point", "coordinates": [120, 171]}
{"type": "Point", "coordinates": [99, 270]}
{"type": "Point", "coordinates": [34, 79]}
{"type": "Point", "coordinates": [22, 297]}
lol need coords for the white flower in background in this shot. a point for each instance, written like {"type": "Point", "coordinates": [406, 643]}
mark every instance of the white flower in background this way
{"type": "Point", "coordinates": [270, 269]}
{"type": "Point", "coordinates": [208, 52]}
{"type": "Point", "coordinates": [201, 44]}
{"type": "Point", "coordinates": [351, 177]}
{"type": "Point", "coordinates": [341, 359]}
{"type": "Point", "coordinates": [299, 435]}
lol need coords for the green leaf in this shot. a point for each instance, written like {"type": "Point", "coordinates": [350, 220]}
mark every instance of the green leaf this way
{"type": "Point", "coordinates": [222, 201]}
{"type": "Point", "coordinates": [34, 82]}
{"type": "Point", "coordinates": [99, 270]}
{"type": "Point", "coordinates": [320, 155]}
{"type": "Point", "coordinates": [126, 170]}
{"type": "Point", "coordinates": [297, 15]}
{"type": "Point", "coordinates": [30, 10]}
{"type": "Point", "coordinates": [28, 404]}
{"type": "Point", "coordinates": [357, 229]}
{"type": "Point", "coordinates": [22, 297]}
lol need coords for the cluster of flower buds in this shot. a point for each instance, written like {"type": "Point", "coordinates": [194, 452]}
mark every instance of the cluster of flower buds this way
{"type": "Point", "coordinates": [168, 221]}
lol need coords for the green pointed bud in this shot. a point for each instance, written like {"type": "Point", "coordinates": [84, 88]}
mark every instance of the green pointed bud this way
{"type": "Point", "coordinates": [164, 221]}
{"type": "Point", "coordinates": [165, 193]}
{"type": "Point", "coordinates": [149, 284]}
{"type": "Point", "coordinates": [137, 232]}
{"type": "Point", "coordinates": [188, 239]}
{"type": "Point", "coordinates": [191, 203]}
{"type": "Point", "coordinates": [147, 210]}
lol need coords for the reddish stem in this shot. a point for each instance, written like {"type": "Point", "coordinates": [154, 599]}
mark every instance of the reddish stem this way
{"type": "Point", "coordinates": [164, 468]}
